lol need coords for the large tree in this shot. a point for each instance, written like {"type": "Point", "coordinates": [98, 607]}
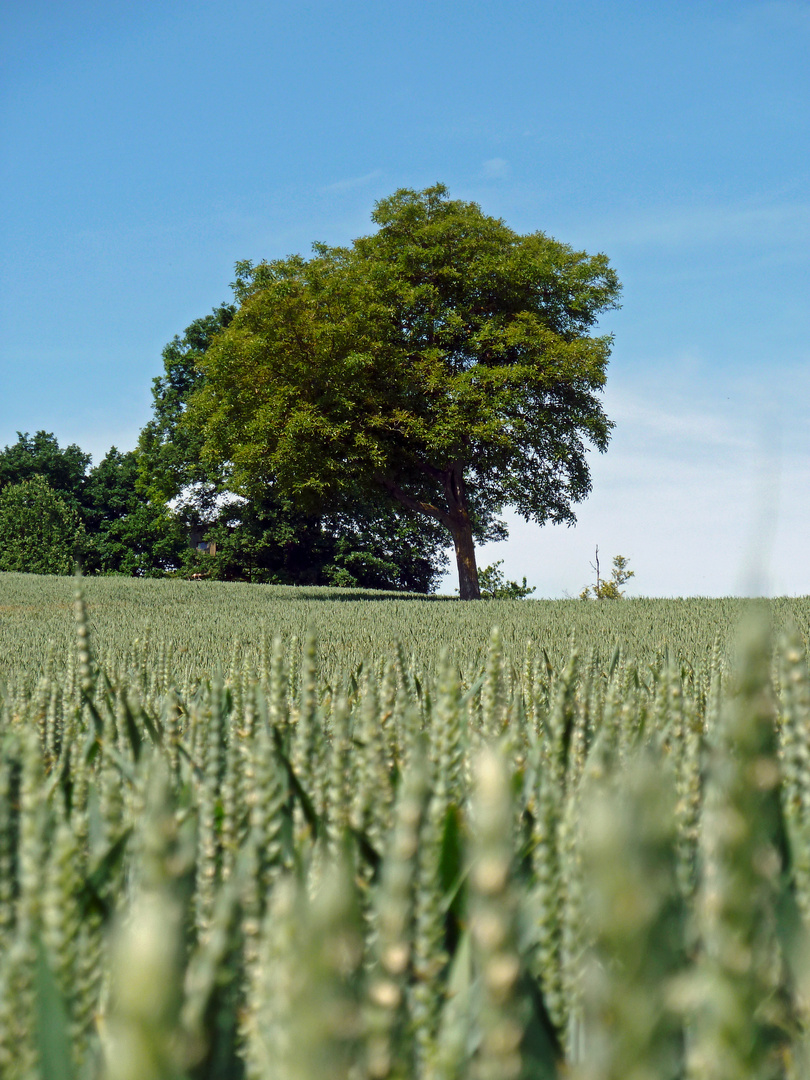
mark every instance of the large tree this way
{"type": "Point", "coordinates": [445, 360]}
{"type": "Point", "coordinates": [359, 540]}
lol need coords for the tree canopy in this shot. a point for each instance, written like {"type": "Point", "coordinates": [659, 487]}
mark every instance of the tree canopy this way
{"type": "Point", "coordinates": [63, 468]}
{"type": "Point", "coordinates": [264, 535]}
{"type": "Point", "coordinates": [120, 531]}
{"type": "Point", "coordinates": [445, 360]}
{"type": "Point", "coordinates": [40, 531]}
{"type": "Point", "coordinates": [126, 533]}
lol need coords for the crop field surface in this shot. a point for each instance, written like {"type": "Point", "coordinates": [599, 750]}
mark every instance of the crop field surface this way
{"type": "Point", "coordinates": [294, 834]}
{"type": "Point", "coordinates": [206, 623]}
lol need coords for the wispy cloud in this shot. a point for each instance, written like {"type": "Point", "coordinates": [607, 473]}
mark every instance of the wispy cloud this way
{"type": "Point", "coordinates": [496, 169]}
{"type": "Point", "coordinates": [692, 490]}
{"type": "Point", "coordinates": [695, 427]}
{"type": "Point", "coordinates": [766, 223]}
{"type": "Point", "coordinates": [352, 182]}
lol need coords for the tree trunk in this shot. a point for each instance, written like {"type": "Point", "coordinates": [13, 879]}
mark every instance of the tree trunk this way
{"type": "Point", "coordinates": [461, 530]}
{"type": "Point", "coordinates": [455, 517]}
{"type": "Point", "coordinates": [468, 588]}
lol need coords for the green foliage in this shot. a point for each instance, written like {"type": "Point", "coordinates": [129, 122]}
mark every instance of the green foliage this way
{"type": "Point", "coordinates": [64, 469]}
{"type": "Point", "coordinates": [169, 456]}
{"type": "Point", "coordinates": [444, 360]}
{"type": "Point", "coordinates": [368, 546]}
{"type": "Point", "coordinates": [40, 532]}
{"type": "Point", "coordinates": [126, 533]}
{"type": "Point", "coordinates": [495, 587]}
{"type": "Point", "coordinates": [121, 532]}
{"type": "Point", "coordinates": [611, 589]}
{"type": "Point", "coordinates": [265, 538]}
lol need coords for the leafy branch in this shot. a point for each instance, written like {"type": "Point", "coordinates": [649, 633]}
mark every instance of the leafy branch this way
{"type": "Point", "coordinates": [611, 589]}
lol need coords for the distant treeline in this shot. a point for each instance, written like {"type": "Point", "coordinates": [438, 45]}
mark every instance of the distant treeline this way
{"type": "Point", "coordinates": [56, 506]}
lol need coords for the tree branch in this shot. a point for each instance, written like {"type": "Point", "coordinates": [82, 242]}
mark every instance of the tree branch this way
{"type": "Point", "coordinates": [417, 505]}
{"type": "Point", "coordinates": [431, 470]}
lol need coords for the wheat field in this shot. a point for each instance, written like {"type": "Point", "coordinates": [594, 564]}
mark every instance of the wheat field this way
{"type": "Point", "coordinates": [249, 831]}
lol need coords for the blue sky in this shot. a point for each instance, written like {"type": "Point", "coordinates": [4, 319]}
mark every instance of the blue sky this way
{"type": "Point", "coordinates": [146, 148]}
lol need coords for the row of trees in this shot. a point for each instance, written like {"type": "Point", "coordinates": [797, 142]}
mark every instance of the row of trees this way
{"type": "Point", "coordinates": [355, 412]}
{"type": "Point", "coordinates": [56, 508]}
